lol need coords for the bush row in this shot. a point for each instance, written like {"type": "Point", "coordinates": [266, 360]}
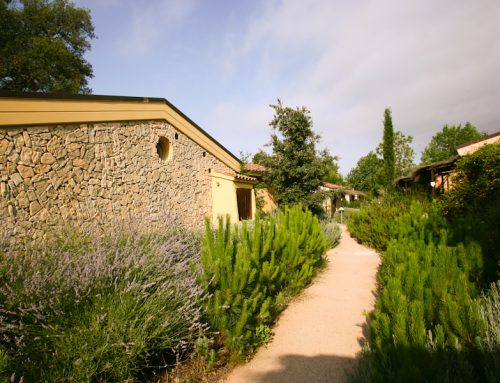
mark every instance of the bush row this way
{"type": "Point", "coordinates": [251, 271]}
{"type": "Point", "coordinates": [121, 304]}
{"type": "Point", "coordinates": [427, 324]}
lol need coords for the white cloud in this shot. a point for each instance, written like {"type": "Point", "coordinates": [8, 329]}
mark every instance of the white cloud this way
{"type": "Point", "coordinates": [432, 62]}
{"type": "Point", "coordinates": [148, 23]}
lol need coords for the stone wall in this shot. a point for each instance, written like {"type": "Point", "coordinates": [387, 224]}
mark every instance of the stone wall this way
{"type": "Point", "coordinates": [51, 175]}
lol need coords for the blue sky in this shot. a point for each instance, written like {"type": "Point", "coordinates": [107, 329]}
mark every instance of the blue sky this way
{"type": "Point", "coordinates": [224, 62]}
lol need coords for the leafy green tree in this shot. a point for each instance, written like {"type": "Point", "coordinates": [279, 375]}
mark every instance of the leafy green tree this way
{"type": "Point", "coordinates": [295, 169]}
{"type": "Point", "coordinates": [332, 168]}
{"type": "Point", "coordinates": [42, 44]}
{"type": "Point", "coordinates": [261, 157]}
{"type": "Point", "coordinates": [403, 153]}
{"type": "Point", "coordinates": [444, 144]}
{"type": "Point", "coordinates": [388, 149]}
{"type": "Point", "coordinates": [367, 175]}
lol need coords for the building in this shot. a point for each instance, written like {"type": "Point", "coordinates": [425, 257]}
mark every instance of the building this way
{"type": "Point", "coordinates": [437, 178]}
{"type": "Point", "coordinates": [83, 158]}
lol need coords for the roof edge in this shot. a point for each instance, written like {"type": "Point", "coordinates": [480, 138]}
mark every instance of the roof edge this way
{"type": "Point", "coordinates": [104, 98]}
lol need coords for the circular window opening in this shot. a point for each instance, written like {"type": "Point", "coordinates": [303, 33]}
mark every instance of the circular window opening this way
{"type": "Point", "coordinates": [163, 148]}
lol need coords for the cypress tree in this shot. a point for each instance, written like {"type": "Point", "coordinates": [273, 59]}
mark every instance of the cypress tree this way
{"type": "Point", "coordinates": [388, 148]}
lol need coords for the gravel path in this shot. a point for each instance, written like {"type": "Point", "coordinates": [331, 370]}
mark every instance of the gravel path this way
{"type": "Point", "coordinates": [319, 335]}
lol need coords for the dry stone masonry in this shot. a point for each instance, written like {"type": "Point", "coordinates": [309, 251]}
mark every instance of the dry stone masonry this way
{"type": "Point", "coordinates": [51, 175]}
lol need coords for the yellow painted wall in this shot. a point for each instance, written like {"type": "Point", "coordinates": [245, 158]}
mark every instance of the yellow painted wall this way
{"type": "Point", "coordinates": [270, 204]}
{"type": "Point", "coordinates": [224, 200]}
{"type": "Point", "coordinates": [223, 197]}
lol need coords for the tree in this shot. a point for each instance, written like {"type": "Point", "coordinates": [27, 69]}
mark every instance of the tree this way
{"type": "Point", "coordinates": [388, 149]}
{"type": "Point", "coordinates": [403, 153]}
{"type": "Point", "coordinates": [295, 169]}
{"type": "Point", "coordinates": [367, 175]}
{"type": "Point", "coordinates": [332, 168]}
{"type": "Point", "coordinates": [261, 157]}
{"type": "Point", "coordinates": [444, 144]}
{"type": "Point", "coordinates": [42, 44]}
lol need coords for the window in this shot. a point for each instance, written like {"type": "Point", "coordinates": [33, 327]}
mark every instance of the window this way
{"type": "Point", "coordinates": [163, 148]}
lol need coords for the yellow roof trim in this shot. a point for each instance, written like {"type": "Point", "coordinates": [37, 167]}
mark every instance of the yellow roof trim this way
{"type": "Point", "coordinates": [19, 111]}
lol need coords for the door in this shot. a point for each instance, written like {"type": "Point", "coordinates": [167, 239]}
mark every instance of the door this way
{"type": "Point", "coordinates": [244, 197]}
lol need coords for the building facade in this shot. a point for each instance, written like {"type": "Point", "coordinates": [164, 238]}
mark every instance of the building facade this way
{"type": "Point", "coordinates": [96, 158]}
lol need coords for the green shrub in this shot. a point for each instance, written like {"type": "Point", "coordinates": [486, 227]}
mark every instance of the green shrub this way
{"type": "Point", "coordinates": [250, 272]}
{"type": "Point", "coordinates": [473, 205]}
{"type": "Point", "coordinates": [490, 342]}
{"type": "Point", "coordinates": [331, 232]}
{"type": "Point", "coordinates": [427, 324]}
{"type": "Point", "coordinates": [4, 366]}
{"type": "Point", "coordinates": [88, 308]}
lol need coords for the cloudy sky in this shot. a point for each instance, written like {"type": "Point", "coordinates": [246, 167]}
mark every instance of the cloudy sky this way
{"type": "Point", "coordinates": [223, 62]}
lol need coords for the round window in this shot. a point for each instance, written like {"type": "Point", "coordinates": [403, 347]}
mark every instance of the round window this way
{"type": "Point", "coordinates": [163, 148]}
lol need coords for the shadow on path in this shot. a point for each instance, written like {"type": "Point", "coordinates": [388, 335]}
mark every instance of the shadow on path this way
{"type": "Point", "coordinates": [305, 369]}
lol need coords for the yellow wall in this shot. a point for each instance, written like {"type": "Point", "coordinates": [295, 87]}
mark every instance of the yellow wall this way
{"type": "Point", "coordinates": [270, 204]}
{"type": "Point", "coordinates": [223, 197]}
{"type": "Point", "coordinates": [224, 200]}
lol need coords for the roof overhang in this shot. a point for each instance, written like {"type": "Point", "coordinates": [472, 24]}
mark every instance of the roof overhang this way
{"type": "Point", "coordinates": [29, 109]}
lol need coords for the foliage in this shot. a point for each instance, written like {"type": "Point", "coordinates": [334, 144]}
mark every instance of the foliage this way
{"type": "Point", "coordinates": [295, 169]}
{"type": "Point", "coordinates": [261, 157]}
{"type": "Point", "coordinates": [98, 307]}
{"type": "Point", "coordinates": [444, 144]}
{"type": "Point", "coordinates": [332, 168]}
{"type": "Point", "coordinates": [473, 204]}
{"type": "Point", "coordinates": [427, 324]}
{"type": "Point", "coordinates": [4, 365]}
{"type": "Point", "coordinates": [251, 271]}
{"type": "Point", "coordinates": [367, 174]}
{"type": "Point", "coordinates": [490, 343]}
{"type": "Point", "coordinates": [331, 232]}
{"type": "Point", "coordinates": [403, 153]}
{"type": "Point", "coordinates": [42, 46]}
{"type": "Point", "coordinates": [388, 154]}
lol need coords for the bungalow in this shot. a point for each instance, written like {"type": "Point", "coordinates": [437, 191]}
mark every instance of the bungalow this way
{"type": "Point", "coordinates": [340, 193]}
{"type": "Point", "coordinates": [438, 176]}
{"type": "Point", "coordinates": [87, 158]}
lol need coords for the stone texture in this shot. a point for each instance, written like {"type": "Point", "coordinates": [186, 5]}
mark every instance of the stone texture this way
{"type": "Point", "coordinates": [107, 171]}
{"type": "Point", "coordinates": [25, 171]}
{"type": "Point", "coordinates": [35, 207]}
{"type": "Point", "coordinates": [47, 159]}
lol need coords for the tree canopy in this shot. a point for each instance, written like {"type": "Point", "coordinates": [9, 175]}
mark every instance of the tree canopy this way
{"type": "Point", "coordinates": [367, 175]}
{"type": "Point", "coordinates": [444, 144]}
{"type": "Point", "coordinates": [403, 153]}
{"type": "Point", "coordinates": [295, 169]}
{"type": "Point", "coordinates": [388, 149]}
{"type": "Point", "coordinates": [42, 46]}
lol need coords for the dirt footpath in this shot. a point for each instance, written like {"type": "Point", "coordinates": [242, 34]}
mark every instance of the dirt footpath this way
{"type": "Point", "coordinates": [319, 335]}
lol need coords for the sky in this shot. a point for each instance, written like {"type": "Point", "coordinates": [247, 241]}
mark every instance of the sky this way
{"type": "Point", "coordinates": [223, 63]}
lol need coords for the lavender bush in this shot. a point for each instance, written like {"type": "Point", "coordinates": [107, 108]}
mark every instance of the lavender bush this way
{"type": "Point", "coordinates": [95, 307]}
{"type": "Point", "coordinates": [331, 232]}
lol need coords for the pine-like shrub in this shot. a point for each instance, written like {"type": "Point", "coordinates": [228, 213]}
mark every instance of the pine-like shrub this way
{"type": "Point", "coordinates": [427, 323]}
{"type": "Point", "coordinates": [96, 308]}
{"type": "Point", "coordinates": [250, 273]}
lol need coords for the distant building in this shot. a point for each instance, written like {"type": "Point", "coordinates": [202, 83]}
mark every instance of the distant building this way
{"type": "Point", "coordinates": [437, 177]}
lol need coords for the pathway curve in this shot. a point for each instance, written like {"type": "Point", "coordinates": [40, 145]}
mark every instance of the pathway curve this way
{"type": "Point", "coordinates": [320, 334]}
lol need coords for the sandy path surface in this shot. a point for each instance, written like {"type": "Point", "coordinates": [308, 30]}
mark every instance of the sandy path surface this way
{"type": "Point", "coordinates": [319, 335]}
